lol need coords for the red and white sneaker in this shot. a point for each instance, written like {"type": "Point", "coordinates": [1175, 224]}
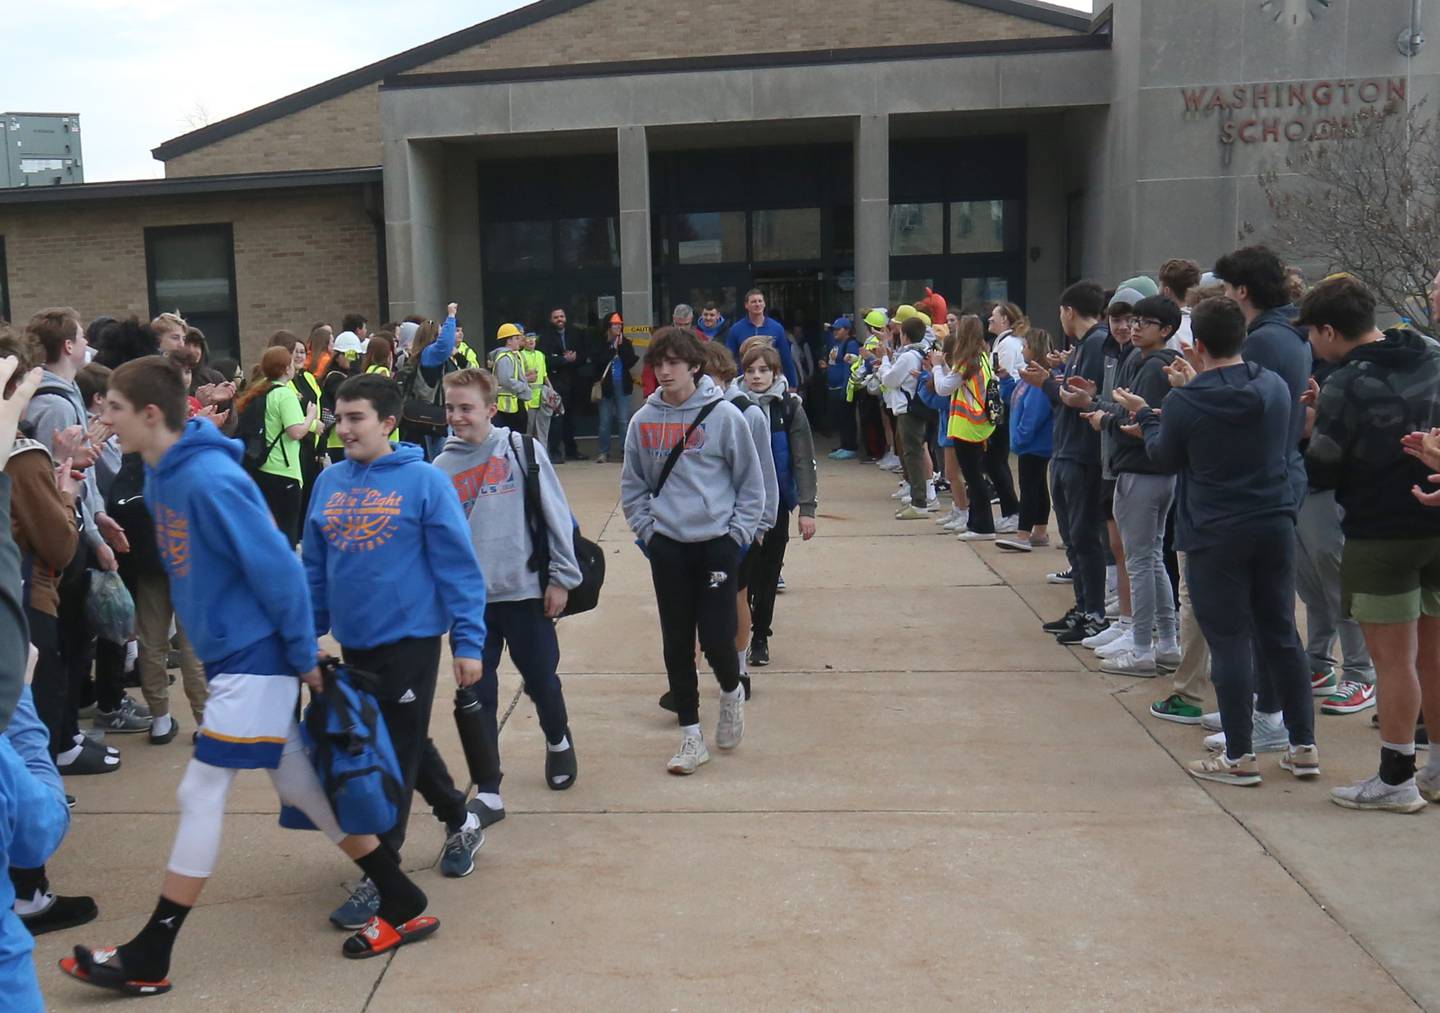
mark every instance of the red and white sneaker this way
{"type": "Point", "coordinates": [1349, 698]}
{"type": "Point", "coordinates": [1323, 684]}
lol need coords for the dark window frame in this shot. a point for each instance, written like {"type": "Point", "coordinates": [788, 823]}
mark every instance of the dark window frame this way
{"type": "Point", "coordinates": [4, 283]}
{"type": "Point", "coordinates": [154, 233]}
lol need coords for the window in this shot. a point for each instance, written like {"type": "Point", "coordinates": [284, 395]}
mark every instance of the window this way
{"type": "Point", "coordinates": [519, 246]}
{"type": "Point", "coordinates": [41, 164]}
{"type": "Point", "coordinates": [708, 237]}
{"type": "Point", "coordinates": [917, 229]}
{"type": "Point", "coordinates": [191, 269]}
{"type": "Point", "coordinates": [789, 234]}
{"type": "Point", "coordinates": [909, 291]}
{"type": "Point", "coordinates": [984, 290]}
{"type": "Point", "coordinates": [588, 242]}
{"type": "Point", "coordinates": [4, 283]}
{"type": "Point", "coordinates": [977, 226]}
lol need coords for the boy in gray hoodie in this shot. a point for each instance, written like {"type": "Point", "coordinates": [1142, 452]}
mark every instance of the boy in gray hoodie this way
{"type": "Point", "coordinates": [487, 463]}
{"type": "Point", "coordinates": [693, 493]}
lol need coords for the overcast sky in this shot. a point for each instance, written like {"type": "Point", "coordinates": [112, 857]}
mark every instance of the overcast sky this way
{"type": "Point", "coordinates": [140, 72]}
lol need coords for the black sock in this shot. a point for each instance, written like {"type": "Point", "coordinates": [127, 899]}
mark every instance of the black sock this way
{"type": "Point", "coordinates": [147, 956]}
{"type": "Point", "coordinates": [1396, 767]}
{"type": "Point", "coordinates": [400, 898]}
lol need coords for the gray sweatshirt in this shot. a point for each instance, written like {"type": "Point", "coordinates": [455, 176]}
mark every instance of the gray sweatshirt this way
{"type": "Point", "coordinates": [802, 444]}
{"type": "Point", "coordinates": [758, 419]}
{"type": "Point", "coordinates": [510, 376]}
{"type": "Point", "coordinates": [50, 413]}
{"type": "Point", "coordinates": [716, 488]}
{"type": "Point", "coordinates": [490, 478]}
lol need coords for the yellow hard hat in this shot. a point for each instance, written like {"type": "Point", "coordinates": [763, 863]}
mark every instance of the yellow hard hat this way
{"type": "Point", "coordinates": [508, 331]}
{"type": "Point", "coordinates": [904, 312]}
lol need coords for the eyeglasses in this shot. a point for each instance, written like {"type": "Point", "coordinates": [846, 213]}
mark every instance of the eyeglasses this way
{"type": "Point", "coordinates": [1149, 322]}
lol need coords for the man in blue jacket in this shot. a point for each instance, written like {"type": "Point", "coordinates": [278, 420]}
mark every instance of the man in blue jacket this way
{"type": "Point", "coordinates": [239, 592]}
{"type": "Point", "coordinates": [392, 569]}
{"type": "Point", "coordinates": [840, 351]}
{"type": "Point", "coordinates": [756, 322]}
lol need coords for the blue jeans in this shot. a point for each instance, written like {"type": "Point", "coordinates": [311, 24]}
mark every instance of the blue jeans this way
{"type": "Point", "coordinates": [614, 408]}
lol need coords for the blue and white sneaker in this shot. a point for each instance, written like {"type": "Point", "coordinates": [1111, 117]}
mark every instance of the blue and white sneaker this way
{"type": "Point", "coordinates": [458, 858]}
{"type": "Point", "coordinates": [355, 913]}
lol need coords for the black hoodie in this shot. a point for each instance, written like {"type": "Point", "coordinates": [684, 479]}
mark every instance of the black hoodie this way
{"type": "Point", "coordinates": [1227, 434]}
{"type": "Point", "coordinates": [1142, 374]}
{"type": "Point", "coordinates": [1381, 391]}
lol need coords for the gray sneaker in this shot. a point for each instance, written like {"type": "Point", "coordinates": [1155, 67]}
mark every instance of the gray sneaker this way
{"type": "Point", "coordinates": [691, 755]}
{"type": "Point", "coordinates": [1211, 721]}
{"type": "Point", "coordinates": [355, 913]}
{"type": "Point", "coordinates": [130, 704]}
{"type": "Point", "coordinates": [1373, 793]}
{"type": "Point", "coordinates": [1265, 736]}
{"type": "Point", "coordinates": [730, 729]}
{"type": "Point", "coordinates": [1428, 783]}
{"type": "Point", "coordinates": [458, 858]}
{"type": "Point", "coordinates": [121, 721]}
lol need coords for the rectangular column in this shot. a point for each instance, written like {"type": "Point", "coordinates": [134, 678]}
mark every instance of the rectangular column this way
{"type": "Point", "coordinates": [872, 211]}
{"type": "Point", "coordinates": [414, 193]}
{"type": "Point", "coordinates": [633, 154]}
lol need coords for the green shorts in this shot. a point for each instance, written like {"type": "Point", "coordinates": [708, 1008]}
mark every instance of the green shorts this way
{"type": "Point", "coordinates": [1391, 580]}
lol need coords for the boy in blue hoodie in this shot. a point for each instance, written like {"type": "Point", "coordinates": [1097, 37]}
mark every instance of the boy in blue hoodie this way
{"type": "Point", "coordinates": [240, 594]}
{"type": "Point", "coordinates": [386, 537]}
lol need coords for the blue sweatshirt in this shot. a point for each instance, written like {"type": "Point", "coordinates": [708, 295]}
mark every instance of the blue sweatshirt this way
{"type": "Point", "coordinates": [388, 554]}
{"type": "Point", "coordinates": [33, 821]}
{"type": "Point", "coordinates": [711, 333]}
{"type": "Point", "coordinates": [742, 330]}
{"type": "Point", "coordinates": [237, 587]}
{"type": "Point", "coordinates": [1032, 422]}
{"type": "Point", "coordinates": [1227, 434]}
{"type": "Point", "coordinates": [1274, 342]}
{"type": "Point", "coordinates": [837, 373]}
{"type": "Point", "coordinates": [435, 353]}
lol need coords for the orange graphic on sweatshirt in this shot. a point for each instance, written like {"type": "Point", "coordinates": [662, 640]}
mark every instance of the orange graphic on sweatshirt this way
{"type": "Point", "coordinates": [361, 520]}
{"type": "Point", "coordinates": [660, 437]}
{"type": "Point", "coordinates": [172, 535]}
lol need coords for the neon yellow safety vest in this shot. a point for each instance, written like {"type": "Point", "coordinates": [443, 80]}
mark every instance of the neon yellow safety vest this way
{"type": "Point", "coordinates": [465, 357]}
{"type": "Point", "coordinates": [535, 359]}
{"type": "Point", "coordinates": [969, 421]}
{"type": "Point", "coordinates": [506, 403]}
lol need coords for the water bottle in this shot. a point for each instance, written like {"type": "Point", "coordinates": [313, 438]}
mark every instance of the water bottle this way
{"type": "Point", "coordinates": [482, 751]}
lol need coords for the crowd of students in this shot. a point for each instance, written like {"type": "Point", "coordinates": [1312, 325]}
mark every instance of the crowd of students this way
{"type": "Point", "coordinates": [1213, 447]}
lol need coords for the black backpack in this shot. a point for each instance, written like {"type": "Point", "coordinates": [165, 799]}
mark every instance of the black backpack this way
{"type": "Point", "coordinates": [591, 558]}
{"type": "Point", "coordinates": [251, 430]}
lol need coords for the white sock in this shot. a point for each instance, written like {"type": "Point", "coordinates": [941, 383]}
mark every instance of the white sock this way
{"type": "Point", "coordinates": [737, 694]}
{"type": "Point", "coordinates": [472, 822]}
{"type": "Point", "coordinates": [69, 756]}
{"type": "Point", "coordinates": [744, 664]}
{"type": "Point", "coordinates": [1403, 748]}
{"type": "Point", "coordinates": [489, 800]}
{"type": "Point", "coordinates": [1125, 622]}
{"type": "Point", "coordinates": [161, 725]}
{"type": "Point", "coordinates": [929, 491]}
{"type": "Point", "coordinates": [560, 746]}
{"type": "Point", "coordinates": [36, 904]}
{"type": "Point", "coordinates": [692, 731]}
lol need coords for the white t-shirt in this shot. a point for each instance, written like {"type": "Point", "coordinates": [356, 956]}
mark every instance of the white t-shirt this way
{"type": "Point", "coordinates": [1010, 350]}
{"type": "Point", "coordinates": [1183, 335]}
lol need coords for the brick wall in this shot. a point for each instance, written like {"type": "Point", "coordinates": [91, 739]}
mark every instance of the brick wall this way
{"type": "Point", "coordinates": [345, 131]}
{"type": "Point", "coordinates": [300, 256]}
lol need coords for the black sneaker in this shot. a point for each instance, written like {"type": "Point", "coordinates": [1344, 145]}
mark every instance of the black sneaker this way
{"type": "Point", "coordinates": [667, 702]}
{"type": "Point", "coordinates": [1065, 623]}
{"type": "Point", "coordinates": [1087, 627]}
{"type": "Point", "coordinates": [759, 651]}
{"type": "Point", "coordinates": [487, 815]}
{"type": "Point", "coordinates": [63, 913]}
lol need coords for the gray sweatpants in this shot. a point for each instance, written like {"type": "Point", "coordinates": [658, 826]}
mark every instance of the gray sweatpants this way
{"type": "Point", "coordinates": [1141, 503]}
{"type": "Point", "coordinates": [1317, 581]}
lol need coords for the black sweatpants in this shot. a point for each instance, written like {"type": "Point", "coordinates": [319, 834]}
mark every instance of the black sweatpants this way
{"type": "Point", "coordinates": [695, 588]}
{"type": "Point", "coordinates": [1034, 491]}
{"type": "Point", "coordinates": [842, 418]}
{"type": "Point", "coordinates": [406, 672]}
{"type": "Point", "coordinates": [997, 469]}
{"type": "Point", "coordinates": [522, 626]}
{"type": "Point", "coordinates": [1076, 491]}
{"type": "Point", "coordinates": [282, 496]}
{"type": "Point", "coordinates": [971, 458]}
{"type": "Point", "coordinates": [1243, 590]}
{"type": "Point", "coordinates": [76, 640]}
{"type": "Point", "coordinates": [769, 560]}
{"type": "Point", "coordinates": [514, 421]}
{"type": "Point", "coordinates": [51, 685]}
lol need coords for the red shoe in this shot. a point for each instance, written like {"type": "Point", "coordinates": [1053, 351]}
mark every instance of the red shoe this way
{"type": "Point", "coordinates": [1323, 684]}
{"type": "Point", "coordinates": [1349, 698]}
{"type": "Point", "coordinates": [379, 936]}
{"type": "Point", "coordinates": [102, 969]}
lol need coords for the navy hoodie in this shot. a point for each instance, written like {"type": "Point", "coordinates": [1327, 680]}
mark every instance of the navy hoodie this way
{"type": "Point", "coordinates": [1277, 344]}
{"type": "Point", "coordinates": [388, 553]}
{"type": "Point", "coordinates": [238, 589]}
{"type": "Point", "coordinates": [1227, 434]}
{"type": "Point", "coordinates": [1074, 439]}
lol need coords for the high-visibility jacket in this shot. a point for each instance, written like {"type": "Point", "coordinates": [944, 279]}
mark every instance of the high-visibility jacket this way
{"type": "Point", "coordinates": [505, 402]}
{"type": "Point", "coordinates": [464, 357]}
{"type": "Point", "coordinates": [969, 420]}
{"type": "Point", "coordinates": [534, 359]}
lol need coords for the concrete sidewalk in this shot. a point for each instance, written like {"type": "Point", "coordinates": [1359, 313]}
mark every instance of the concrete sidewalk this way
{"type": "Point", "coordinates": [935, 806]}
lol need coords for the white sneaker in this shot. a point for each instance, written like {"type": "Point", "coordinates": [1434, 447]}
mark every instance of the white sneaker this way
{"type": "Point", "coordinates": [1428, 782]}
{"type": "Point", "coordinates": [1211, 722]}
{"type": "Point", "coordinates": [977, 536]}
{"type": "Point", "coordinates": [1131, 663]}
{"type": "Point", "coordinates": [890, 463]}
{"type": "Point", "coordinates": [1008, 525]}
{"type": "Point", "coordinates": [1265, 736]}
{"type": "Point", "coordinates": [1112, 607]}
{"type": "Point", "coordinates": [1168, 656]}
{"type": "Point", "coordinates": [957, 524]}
{"type": "Point", "coordinates": [947, 518]}
{"type": "Point", "coordinates": [730, 729]}
{"type": "Point", "coordinates": [901, 493]}
{"type": "Point", "coordinates": [1373, 793]}
{"type": "Point", "coordinates": [930, 496]}
{"type": "Point", "coordinates": [691, 755]}
{"type": "Point", "coordinates": [1108, 635]}
{"type": "Point", "coordinates": [1124, 642]}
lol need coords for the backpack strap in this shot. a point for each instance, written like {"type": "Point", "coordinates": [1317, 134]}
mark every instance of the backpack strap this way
{"type": "Point", "coordinates": [539, 561]}
{"type": "Point", "coordinates": [679, 447]}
